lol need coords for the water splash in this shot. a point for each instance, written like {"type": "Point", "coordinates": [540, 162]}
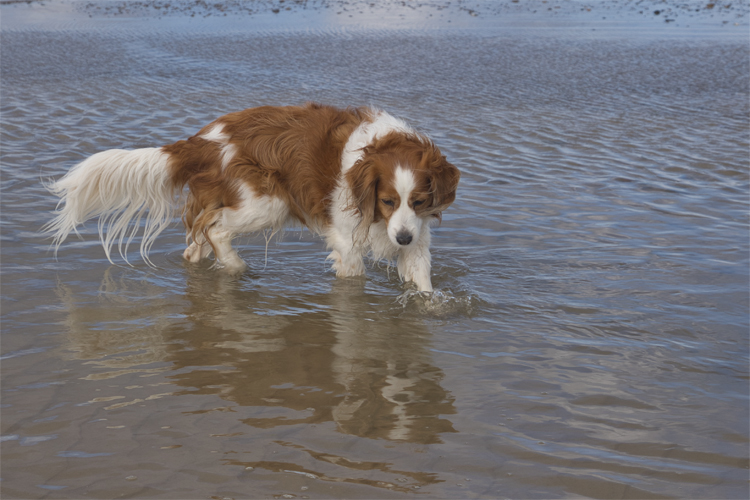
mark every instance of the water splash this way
{"type": "Point", "coordinates": [440, 303]}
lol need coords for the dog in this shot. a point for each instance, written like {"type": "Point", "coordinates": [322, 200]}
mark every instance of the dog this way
{"type": "Point", "coordinates": [362, 179]}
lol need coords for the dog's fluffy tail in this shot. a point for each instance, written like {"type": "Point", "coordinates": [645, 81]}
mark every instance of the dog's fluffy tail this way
{"type": "Point", "coordinates": [121, 187]}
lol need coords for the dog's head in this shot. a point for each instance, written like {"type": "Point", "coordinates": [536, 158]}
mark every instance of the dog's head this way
{"type": "Point", "coordinates": [404, 180]}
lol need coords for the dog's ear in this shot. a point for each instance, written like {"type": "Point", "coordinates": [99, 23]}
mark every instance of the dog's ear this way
{"type": "Point", "coordinates": [363, 181]}
{"type": "Point", "coordinates": [444, 179]}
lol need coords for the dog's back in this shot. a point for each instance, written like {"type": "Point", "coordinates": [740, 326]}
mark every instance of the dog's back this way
{"type": "Point", "coordinates": [292, 153]}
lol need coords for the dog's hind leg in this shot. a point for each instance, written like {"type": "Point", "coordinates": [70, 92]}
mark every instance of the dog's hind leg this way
{"type": "Point", "coordinates": [195, 252]}
{"type": "Point", "coordinates": [214, 231]}
{"type": "Point", "coordinates": [198, 248]}
{"type": "Point", "coordinates": [226, 256]}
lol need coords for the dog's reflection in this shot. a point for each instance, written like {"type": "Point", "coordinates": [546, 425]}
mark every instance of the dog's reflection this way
{"type": "Point", "coordinates": [339, 355]}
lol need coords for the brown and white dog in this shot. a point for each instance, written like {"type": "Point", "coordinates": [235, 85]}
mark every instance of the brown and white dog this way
{"type": "Point", "coordinates": [361, 178]}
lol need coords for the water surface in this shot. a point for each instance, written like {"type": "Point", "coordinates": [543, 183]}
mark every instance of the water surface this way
{"type": "Point", "coordinates": [589, 332]}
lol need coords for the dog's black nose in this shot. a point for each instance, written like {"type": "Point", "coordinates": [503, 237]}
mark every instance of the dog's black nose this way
{"type": "Point", "coordinates": [403, 237]}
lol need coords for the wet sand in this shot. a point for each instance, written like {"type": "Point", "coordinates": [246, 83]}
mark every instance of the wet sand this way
{"type": "Point", "coordinates": [635, 15]}
{"type": "Point", "coordinates": [665, 11]}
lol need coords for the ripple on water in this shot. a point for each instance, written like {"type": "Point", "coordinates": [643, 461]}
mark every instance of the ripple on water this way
{"type": "Point", "coordinates": [588, 328]}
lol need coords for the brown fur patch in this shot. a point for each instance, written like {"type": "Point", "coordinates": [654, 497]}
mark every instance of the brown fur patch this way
{"type": "Point", "coordinates": [196, 163]}
{"type": "Point", "coordinates": [294, 153]}
{"type": "Point", "coordinates": [372, 178]}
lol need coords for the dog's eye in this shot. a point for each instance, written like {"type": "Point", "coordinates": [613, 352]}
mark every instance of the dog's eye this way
{"type": "Point", "coordinates": [388, 202]}
{"type": "Point", "coordinates": [418, 202]}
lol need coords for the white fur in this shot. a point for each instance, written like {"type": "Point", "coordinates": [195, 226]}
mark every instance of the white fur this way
{"type": "Point", "coordinates": [404, 219]}
{"type": "Point", "coordinates": [347, 254]}
{"type": "Point", "coordinates": [122, 187]}
{"type": "Point", "coordinates": [366, 133]}
{"type": "Point", "coordinates": [255, 213]}
{"type": "Point", "coordinates": [414, 261]}
{"type": "Point", "coordinates": [216, 134]}
{"type": "Point", "coordinates": [228, 151]}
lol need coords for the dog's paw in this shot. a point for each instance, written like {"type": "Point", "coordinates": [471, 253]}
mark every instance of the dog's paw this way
{"type": "Point", "coordinates": [192, 253]}
{"type": "Point", "coordinates": [335, 257]}
{"type": "Point", "coordinates": [231, 265]}
{"type": "Point", "coordinates": [348, 268]}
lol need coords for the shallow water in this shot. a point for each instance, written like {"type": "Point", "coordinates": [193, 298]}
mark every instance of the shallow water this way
{"type": "Point", "coordinates": [589, 332]}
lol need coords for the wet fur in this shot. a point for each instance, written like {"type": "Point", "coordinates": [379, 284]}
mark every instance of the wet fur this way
{"type": "Point", "coordinates": [263, 168]}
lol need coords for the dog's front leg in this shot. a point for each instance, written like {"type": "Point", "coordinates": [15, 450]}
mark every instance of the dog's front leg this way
{"type": "Point", "coordinates": [346, 256]}
{"type": "Point", "coordinates": [347, 263]}
{"type": "Point", "coordinates": [414, 263]}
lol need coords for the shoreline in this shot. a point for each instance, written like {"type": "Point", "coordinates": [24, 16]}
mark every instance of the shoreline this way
{"type": "Point", "coordinates": [615, 17]}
